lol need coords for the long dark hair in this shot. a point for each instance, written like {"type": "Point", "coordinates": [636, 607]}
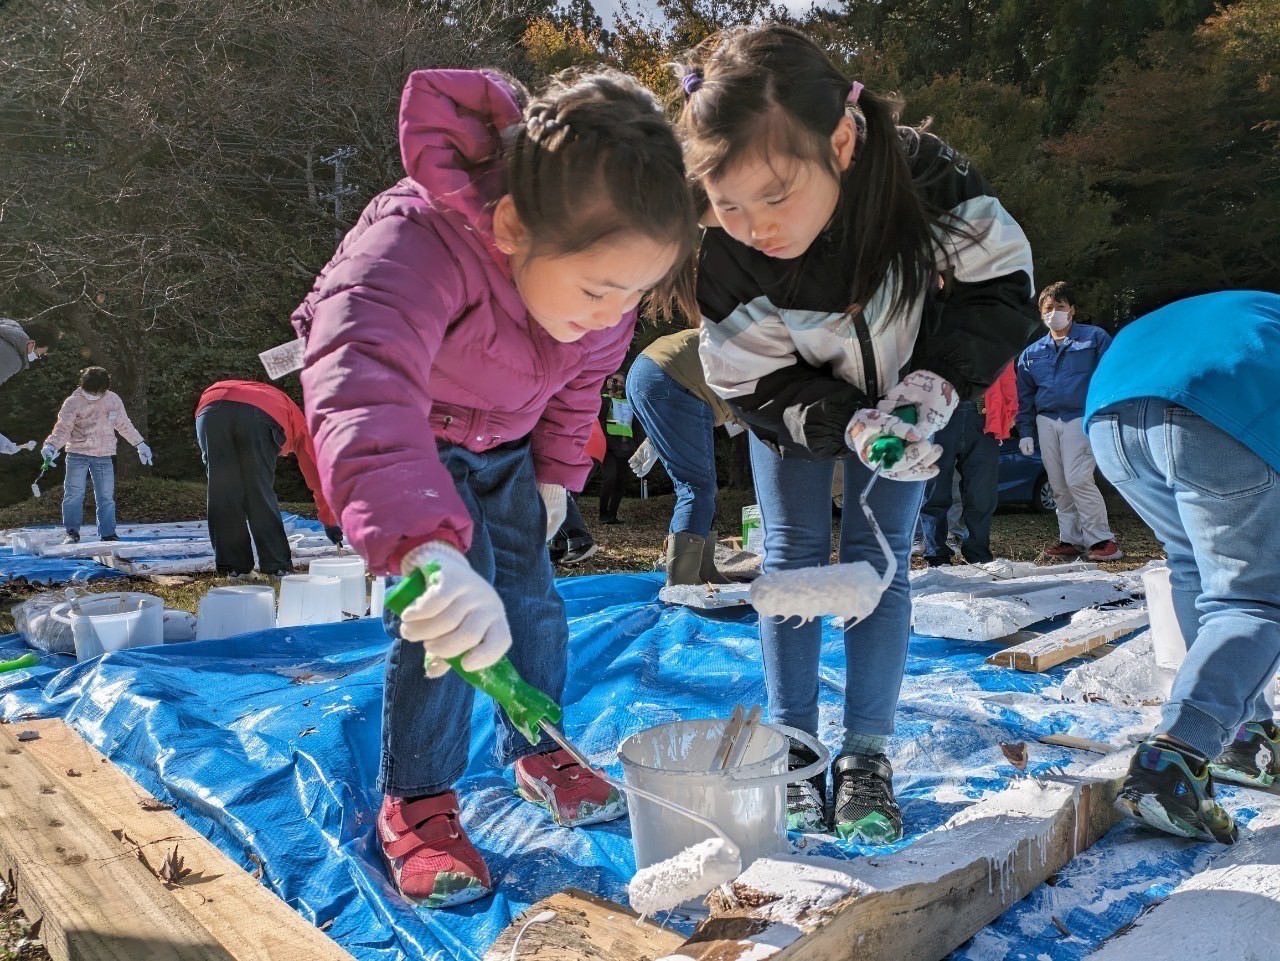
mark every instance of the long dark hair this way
{"type": "Point", "coordinates": [596, 159]}
{"type": "Point", "coordinates": [770, 89]}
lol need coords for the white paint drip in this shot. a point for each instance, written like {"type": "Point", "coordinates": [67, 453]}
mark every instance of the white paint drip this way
{"type": "Point", "coordinates": [848, 591]}
{"type": "Point", "coordinates": [694, 871]}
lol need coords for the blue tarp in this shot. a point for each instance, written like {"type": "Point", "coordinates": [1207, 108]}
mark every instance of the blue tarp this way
{"type": "Point", "coordinates": [51, 570]}
{"type": "Point", "coordinates": [268, 744]}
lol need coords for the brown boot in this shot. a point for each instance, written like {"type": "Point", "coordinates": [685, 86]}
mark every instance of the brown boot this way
{"type": "Point", "coordinates": [707, 571]}
{"type": "Point", "coordinates": [684, 559]}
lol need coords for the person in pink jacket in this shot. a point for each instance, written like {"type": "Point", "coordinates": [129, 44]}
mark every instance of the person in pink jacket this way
{"type": "Point", "coordinates": [87, 426]}
{"type": "Point", "coordinates": [456, 345]}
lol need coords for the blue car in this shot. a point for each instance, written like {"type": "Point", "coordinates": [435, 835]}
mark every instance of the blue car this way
{"type": "Point", "coordinates": [1023, 480]}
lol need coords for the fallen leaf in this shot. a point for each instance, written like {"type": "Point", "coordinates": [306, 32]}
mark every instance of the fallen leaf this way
{"type": "Point", "coordinates": [72, 772]}
{"type": "Point", "coordinates": [327, 925]}
{"type": "Point", "coordinates": [154, 804]}
{"type": "Point", "coordinates": [305, 731]}
{"type": "Point", "coordinates": [301, 678]}
{"type": "Point", "coordinates": [28, 736]}
{"type": "Point", "coordinates": [172, 869]}
{"type": "Point", "coordinates": [1066, 932]}
{"type": "Point", "coordinates": [257, 871]}
{"type": "Point", "coordinates": [1016, 753]}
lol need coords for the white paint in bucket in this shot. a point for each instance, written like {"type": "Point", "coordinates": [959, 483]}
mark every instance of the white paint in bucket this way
{"type": "Point", "coordinates": [112, 622]}
{"type": "Point", "coordinates": [349, 568]}
{"type": "Point", "coordinates": [236, 609]}
{"type": "Point", "coordinates": [749, 802]}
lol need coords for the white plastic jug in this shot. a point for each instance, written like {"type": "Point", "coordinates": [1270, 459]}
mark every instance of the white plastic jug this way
{"type": "Point", "coordinates": [236, 609]}
{"type": "Point", "coordinates": [112, 622]}
{"type": "Point", "coordinates": [309, 599]}
{"type": "Point", "coordinates": [749, 802]}
{"type": "Point", "coordinates": [350, 570]}
{"type": "Point", "coordinates": [377, 596]}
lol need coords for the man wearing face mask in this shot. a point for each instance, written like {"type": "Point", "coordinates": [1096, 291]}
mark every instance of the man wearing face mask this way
{"type": "Point", "coordinates": [20, 347]}
{"type": "Point", "coordinates": [1053, 383]}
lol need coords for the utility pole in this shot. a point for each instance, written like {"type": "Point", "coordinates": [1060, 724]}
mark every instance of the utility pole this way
{"type": "Point", "coordinates": [339, 159]}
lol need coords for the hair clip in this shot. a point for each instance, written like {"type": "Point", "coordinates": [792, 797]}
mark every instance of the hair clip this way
{"type": "Point", "coordinates": [691, 81]}
{"type": "Point", "coordinates": [855, 91]}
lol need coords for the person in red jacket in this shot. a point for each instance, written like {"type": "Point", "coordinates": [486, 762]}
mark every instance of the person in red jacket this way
{"type": "Point", "coordinates": [242, 428]}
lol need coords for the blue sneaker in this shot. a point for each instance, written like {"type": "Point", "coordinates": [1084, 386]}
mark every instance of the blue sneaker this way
{"type": "Point", "coordinates": [1171, 790]}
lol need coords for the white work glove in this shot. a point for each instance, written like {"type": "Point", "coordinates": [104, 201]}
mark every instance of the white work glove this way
{"type": "Point", "coordinates": [934, 399]}
{"type": "Point", "coordinates": [144, 454]}
{"type": "Point", "coordinates": [459, 613]}
{"type": "Point", "coordinates": [1027, 445]}
{"type": "Point", "coordinates": [642, 461]}
{"type": "Point", "coordinates": [9, 447]}
{"type": "Point", "coordinates": [918, 458]}
{"type": "Point", "coordinates": [556, 500]}
{"type": "Point", "coordinates": [49, 453]}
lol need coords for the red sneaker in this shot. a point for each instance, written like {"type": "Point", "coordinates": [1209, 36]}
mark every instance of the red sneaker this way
{"type": "Point", "coordinates": [1062, 551]}
{"type": "Point", "coordinates": [571, 793]}
{"type": "Point", "coordinates": [1104, 551]}
{"type": "Point", "coordinates": [428, 854]}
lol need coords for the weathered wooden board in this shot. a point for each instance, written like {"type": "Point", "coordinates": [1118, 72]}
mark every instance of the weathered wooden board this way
{"type": "Point", "coordinates": [1089, 629]}
{"type": "Point", "coordinates": [585, 928]}
{"type": "Point", "coordinates": [974, 616]}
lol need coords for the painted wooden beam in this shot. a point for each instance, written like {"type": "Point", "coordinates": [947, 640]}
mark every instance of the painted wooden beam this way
{"type": "Point", "coordinates": [973, 616]}
{"type": "Point", "coordinates": [921, 902]}
{"type": "Point", "coordinates": [1089, 629]}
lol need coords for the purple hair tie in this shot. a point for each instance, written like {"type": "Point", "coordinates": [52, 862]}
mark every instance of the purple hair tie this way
{"type": "Point", "coordinates": [855, 92]}
{"type": "Point", "coordinates": [691, 81]}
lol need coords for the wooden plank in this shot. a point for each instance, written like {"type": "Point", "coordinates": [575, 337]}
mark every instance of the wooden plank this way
{"type": "Point", "coordinates": [923, 901]}
{"type": "Point", "coordinates": [585, 928]}
{"type": "Point", "coordinates": [249, 921]}
{"type": "Point", "coordinates": [1087, 630]}
{"type": "Point", "coordinates": [1230, 909]}
{"type": "Point", "coordinates": [95, 902]}
{"type": "Point", "coordinates": [1079, 743]}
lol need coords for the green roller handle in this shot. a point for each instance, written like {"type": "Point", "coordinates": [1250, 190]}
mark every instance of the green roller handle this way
{"type": "Point", "coordinates": [18, 663]}
{"type": "Point", "coordinates": [527, 706]}
{"type": "Point", "coordinates": [888, 450]}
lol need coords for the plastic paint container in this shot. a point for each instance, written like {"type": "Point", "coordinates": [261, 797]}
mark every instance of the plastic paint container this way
{"type": "Point", "coordinates": [377, 595]}
{"type": "Point", "coordinates": [350, 570]}
{"type": "Point", "coordinates": [112, 622]}
{"type": "Point", "coordinates": [237, 609]}
{"type": "Point", "coordinates": [309, 599]}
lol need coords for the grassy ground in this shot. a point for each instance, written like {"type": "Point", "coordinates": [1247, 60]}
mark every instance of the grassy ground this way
{"type": "Point", "coordinates": [634, 545]}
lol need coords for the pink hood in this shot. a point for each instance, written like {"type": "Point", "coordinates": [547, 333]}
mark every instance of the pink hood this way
{"type": "Point", "coordinates": [417, 336]}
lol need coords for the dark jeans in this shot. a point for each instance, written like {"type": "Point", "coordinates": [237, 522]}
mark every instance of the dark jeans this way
{"type": "Point", "coordinates": [426, 724]}
{"type": "Point", "coordinates": [968, 448]}
{"type": "Point", "coordinates": [613, 480]}
{"type": "Point", "coordinates": [240, 445]}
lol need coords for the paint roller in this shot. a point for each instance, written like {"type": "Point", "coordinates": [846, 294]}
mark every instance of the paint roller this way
{"type": "Point", "coordinates": [45, 467]}
{"type": "Point", "coordinates": [848, 591]}
{"type": "Point", "coordinates": [694, 871]}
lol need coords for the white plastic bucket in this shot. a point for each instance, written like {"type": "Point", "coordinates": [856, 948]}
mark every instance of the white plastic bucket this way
{"type": "Point", "coordinates": [749, 802]}
{"type": "Point", "coordinates": [309, 599]}
{"type": "Point", "coordinates": [112, 622]}
{"type": "Point", "coordinates": [377, 596]}
{"type": "Point", "coordinates": [237, 609]}
{"type": "Point", "coordinates": [350, 570]}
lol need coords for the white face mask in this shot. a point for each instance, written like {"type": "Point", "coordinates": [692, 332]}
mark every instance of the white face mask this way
{"type": "Point", "coordinates": [32, 356]}
{"type": "Point", "coordinates": [1058, 320]}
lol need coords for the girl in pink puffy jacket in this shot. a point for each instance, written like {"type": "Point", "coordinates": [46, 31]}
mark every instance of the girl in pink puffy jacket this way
{"type": "Point", "coordinates": [456, 347]}
{"type": "Point", "coordinates": [87, 426]}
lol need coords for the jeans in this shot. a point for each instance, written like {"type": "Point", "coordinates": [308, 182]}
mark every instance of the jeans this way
{"type": "Point", "coordinates": [966, 447]}
{"type": "Point", "coordinates": [681, 428]}
{"type": "Point", "coordinates": [426, 724]}
{"type": "Point", "coordinates": [240, 445]}
{"type": "Point", "coordinates": [795, 509]}
{"type": "Point", "coordinates": [80, 467]}
{"type": "Point", "coordinates": [1215, 505]}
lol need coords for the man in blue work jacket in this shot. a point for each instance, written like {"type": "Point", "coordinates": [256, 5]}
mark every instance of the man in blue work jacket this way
{"type": "Point", "coordinates": [1053, 383]}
